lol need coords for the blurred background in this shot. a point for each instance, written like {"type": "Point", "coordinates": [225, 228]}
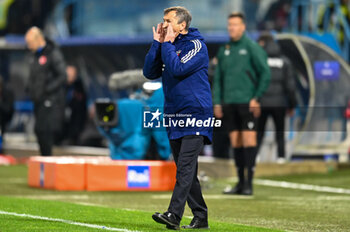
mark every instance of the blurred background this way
{"type": "Point", "coordinates": [106, 41]}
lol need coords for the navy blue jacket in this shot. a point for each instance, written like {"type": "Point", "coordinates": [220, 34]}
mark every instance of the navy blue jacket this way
{"type": "Point", "coordinates": [183, 66]}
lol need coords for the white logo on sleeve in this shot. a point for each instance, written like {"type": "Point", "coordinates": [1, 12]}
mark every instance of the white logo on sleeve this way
{"type": "Point", "coordinates": [193, 52]}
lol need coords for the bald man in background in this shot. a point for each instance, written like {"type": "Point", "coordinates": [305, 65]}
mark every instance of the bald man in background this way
{"type": "Point", "coordinates": [46, 88]}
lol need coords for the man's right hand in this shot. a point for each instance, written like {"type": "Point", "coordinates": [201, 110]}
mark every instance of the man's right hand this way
{"type": "Point", "coordinates": [159, 34]}
{"type": "Point", "coordinates": [290, 112]}
{"type": "Point", "coordinates": [218, 111]}
{"type": "Point", "coordinates": [254, 107]}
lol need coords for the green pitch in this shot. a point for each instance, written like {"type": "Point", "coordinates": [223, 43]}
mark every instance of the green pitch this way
{"type": "Point", "coordinates": [270, 209]}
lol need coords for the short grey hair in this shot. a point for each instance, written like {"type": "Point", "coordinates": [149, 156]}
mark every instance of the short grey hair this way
{"type": "Point", "coordinates": [181, 13]}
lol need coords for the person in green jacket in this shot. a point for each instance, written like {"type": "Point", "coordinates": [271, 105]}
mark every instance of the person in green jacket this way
{"type": "Point", "coordinates": [241, 77]}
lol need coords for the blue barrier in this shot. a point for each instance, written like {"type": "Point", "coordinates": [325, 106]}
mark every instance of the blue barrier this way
{"type": "Point", "coordinates": [121, 40]}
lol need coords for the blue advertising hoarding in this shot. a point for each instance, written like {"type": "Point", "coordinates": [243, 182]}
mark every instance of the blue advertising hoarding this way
{"type": "Point", "coordinates": [326, 70]}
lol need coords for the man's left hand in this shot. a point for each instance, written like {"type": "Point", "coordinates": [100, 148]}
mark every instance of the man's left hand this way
{"type": "Point", "coordinates": [170, 34]}
{"type": "Point", "coordinates": [254, 107]}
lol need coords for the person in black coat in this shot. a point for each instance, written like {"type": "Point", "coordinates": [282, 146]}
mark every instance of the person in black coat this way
{"type": "Point", "coordinates": [46, 88]}
{"type": "Point", "coordinates": [280, 97]}
{"type": "Point", "coordinates": [6, 108]}
{"type": "Point", "coordinates": [76, 108]}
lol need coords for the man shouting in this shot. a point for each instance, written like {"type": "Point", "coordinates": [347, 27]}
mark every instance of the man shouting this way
{"type": "Point", "coordinates": [179, 55]}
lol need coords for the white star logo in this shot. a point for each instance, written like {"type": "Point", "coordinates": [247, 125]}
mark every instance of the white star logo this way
{"type": "Point", "coordinates": [156, 115]}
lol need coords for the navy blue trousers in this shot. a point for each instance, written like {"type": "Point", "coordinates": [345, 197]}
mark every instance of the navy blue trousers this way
{"type": "Point", "coordinates": [187, 188]}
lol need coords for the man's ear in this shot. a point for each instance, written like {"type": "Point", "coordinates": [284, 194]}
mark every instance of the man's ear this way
{"type": "Point", "coordinates": [183, 26]}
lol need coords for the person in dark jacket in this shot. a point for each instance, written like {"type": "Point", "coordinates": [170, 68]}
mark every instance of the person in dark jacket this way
{"type": "Point", "coordinates": [280, 97]}
{"type": "Point", "coordinates": [46, 88]}
{"type": "Point", "coordinates": [179, 54]}
{"type": "Point", "coordinates": [76, 108]}
{"type": "Point", "coordinates": [6, 108]}
{"type": "Point", "coordinates": [241, 77]}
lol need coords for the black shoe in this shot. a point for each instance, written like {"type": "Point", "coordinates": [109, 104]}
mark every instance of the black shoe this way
{"type": "Point", "coordinates": [168, 219]}
{"type": "Point", "coordinates": [197, 223]}
{"type": "Point", "coordinates": [238, 189]}
{"type": "Point", "coordinates": [172, 227]}
{"type": "Point", "coordinates": [247, 190]}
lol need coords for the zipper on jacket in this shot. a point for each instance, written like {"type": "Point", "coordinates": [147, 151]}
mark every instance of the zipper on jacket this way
{"type": "Point", "coordinates": [222, 89]}
{"type": "Point", "coordinates": [251, 78]}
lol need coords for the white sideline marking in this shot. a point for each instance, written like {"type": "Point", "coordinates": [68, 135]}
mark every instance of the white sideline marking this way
{"type": "Point", "coordinates": [88, 204]}
{"type": "Point", "coordinates": [65, 221]}
{"type": "Point", "coordinates": [290, 185]}
{"type": "Point", "coordinates": [206, 196]}
{"type": "Point", "coordinates": [56, 197]}
{"type": "Point", "coordinates": [333, 198]}
{"type": "Point", "coordinates": [13, 180]}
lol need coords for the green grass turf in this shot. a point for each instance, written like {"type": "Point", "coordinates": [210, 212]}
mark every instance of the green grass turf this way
{"type": "Point", "coordinates": [270, 207]}
{"type": "Point", "coordinates": [116, 218]}
{"type": "Point", "coordinates": [338, 179]}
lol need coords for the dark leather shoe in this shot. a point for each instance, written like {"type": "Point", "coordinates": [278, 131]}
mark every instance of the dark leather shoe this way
{"type": "Point", "coordinates": [167, 218]}
{"type": "Point", "coordinates": [238, 189]}
{"type": "Point", "coordinates": [197, 223]}
{"type": "Point", "coordinates": [172, 227]}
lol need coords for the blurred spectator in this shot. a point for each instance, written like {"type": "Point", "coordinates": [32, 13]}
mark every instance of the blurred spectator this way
{"type": "Point", "coordinates": [277, 16]}
{"type": "Point", "coordinates": [17, 16]}
{"type": "Point", "coordinates": [6, 108]}
{"type": "Point", "coordinates": [242, 76]}
{"type": "Point", "coordinates": [327, 15]}
{"type": "Point", "coordinates": [280, 96]}
{"type": "Point", "coordinates": [46, 88]}
{"type": "Point", "coordinates": [90, 136]}
{"type": "Point", "coordinates": [4, 7]}
{"type": "Point", "coordinates": [250, 10]}
{"type": "Point", "coordinates": [76, 110]}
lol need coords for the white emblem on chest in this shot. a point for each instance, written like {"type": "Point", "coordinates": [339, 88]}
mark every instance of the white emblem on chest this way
{"type": "Point", "coordinates": [243, 52]}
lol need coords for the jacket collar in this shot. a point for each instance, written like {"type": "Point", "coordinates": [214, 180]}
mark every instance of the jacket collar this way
{"type": "Point", "coordinates": [240, 40]}
{"type": "Point", "coordinates": [192, 34]}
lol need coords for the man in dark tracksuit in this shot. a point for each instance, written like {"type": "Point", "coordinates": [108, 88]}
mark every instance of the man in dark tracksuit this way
{"type": "Point", "coordinates": [184, 56]}
{"type": "Point", "coordinates": [76, 105]}
{"type": "Point", "coordinates": [6, 109]}
{"type": "Point", "coordinates": [242, 75]}
{"type": "Point", "coordinates": [279, 98]}
{"type": "Point", "coordinates": [46, 87]}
